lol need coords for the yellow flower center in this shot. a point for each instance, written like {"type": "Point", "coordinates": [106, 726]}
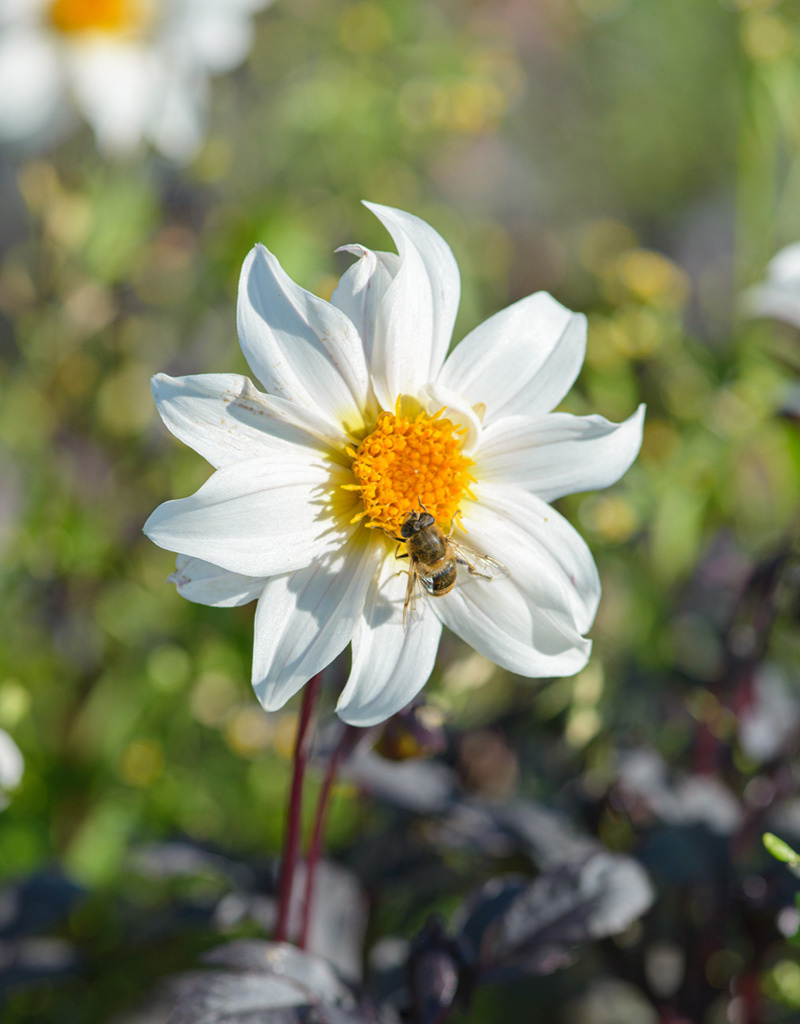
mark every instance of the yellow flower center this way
{"type": "Point", "coordinates": [111, 16]}
{"type": "Point", "coordinates": [409, 462]}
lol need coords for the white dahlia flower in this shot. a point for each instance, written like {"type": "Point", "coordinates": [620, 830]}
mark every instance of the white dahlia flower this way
{"type": "Point", "coordinates": [135, 69]}
{"type": "Point", "coordinates": [366, 420]}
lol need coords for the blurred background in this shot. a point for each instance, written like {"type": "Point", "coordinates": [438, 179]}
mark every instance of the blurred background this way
{"type": "Point", "coordinates": [641, 162]}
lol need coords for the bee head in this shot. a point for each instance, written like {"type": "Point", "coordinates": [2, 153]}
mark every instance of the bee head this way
{"type": "Point", "coordinates": [415, 523]}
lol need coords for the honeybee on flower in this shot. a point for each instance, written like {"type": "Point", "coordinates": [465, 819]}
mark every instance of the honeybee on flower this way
{"type": "Point", "coordinates": [435, 560]}
{"type": "Point", "coordinates": [366, 432]}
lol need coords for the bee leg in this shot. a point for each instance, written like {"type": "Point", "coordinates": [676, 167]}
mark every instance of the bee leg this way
{"type": "Point", "coordinates": [472, 570]}
{"type": "Point", "coordinates": [408, 601]}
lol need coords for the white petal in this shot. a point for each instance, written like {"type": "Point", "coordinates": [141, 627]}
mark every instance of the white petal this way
{"type": "Point", "coordinates": [775, 302]}
{"type": "Point", "coordinates": [784, 267]}
{"type": "Point", "coordinates": [304, 619]}
{"type": "Point", "coordinates": [530, 623]}
{"type": "Point", "coordinates": [116, 87]}
{"type": "Point", "coordinates": [18, 13]}
{"type": "Point", "coordinates": [300, 347]}
{"type": "Point", "coordinates": [437, 397]}
{"type": "Point", "coordinates": [205, 583]}
{"type": "Point", "coordinates": [779, 296]}
{"type": "Point", "coordinates": [559, 454]}
{"type": "Point", "coordinates": [418, 310]}
{"type": "Point", "coordinates": [506, 631]}
{"type": "Point", "coordinates": [390, 665]}
{"type": "Point", "coordinates": [195, 8]}
{"type": "Point", "coordinates": [31, 83]}
{"type": "Point", "coordinates": [521, 361]}
{"type": "Point", "coordinates": [218, 39]}
{"type": "Point", "coordinates": [177, 122]}
{"type": "Point", "coordinates": [258, 517]}
{"type": "Point", "coordinates": [12, 764]}
{"type": "Point", "coordinates": [548, 545]}
{"type": "Point", "coordinates": [361, 289]}
{"type": "Point", "coordinates": [231, 8]}
{"type": "Point", "coordinates": [226, 419]}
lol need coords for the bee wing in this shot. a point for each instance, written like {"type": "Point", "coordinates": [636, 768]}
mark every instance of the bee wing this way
{"type": "Point", "coordinates": [473, 565]}
{"type": "Point", "coordinates": [412, 611]}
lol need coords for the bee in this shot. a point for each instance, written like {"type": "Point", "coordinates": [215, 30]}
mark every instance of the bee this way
{"type": "Point", "coordinates": [435, 559]}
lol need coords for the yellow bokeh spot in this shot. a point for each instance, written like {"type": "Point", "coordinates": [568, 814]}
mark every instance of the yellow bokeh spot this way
{"type": "Point", "coordinates": [169, 668]}
{"type": "Point", "coordinates": [766, 37]}
{"type": "Point", "coordinates": [606, 343]}
{"type": "Point", "coordinates": [610, 516]}
{"type": "Point", "coordinates": [785, 979]}
{"type": "Point", "coordinates": [117, 17]}
{"type": "Point", "coordinates": [15, 702]}
{"type": "Point", "coordinates": [365, 28]}
{"type": "Point", "coordinates": [639, 332]}
{"type": "Point", "coordinates": [38, 184]}
{"type": "Point", "coordinates": [474, 105]}
{"type": "Point", "coordinates": [653, 278]}
{"type": "Point", "coordinates": [141, 762]}
{"type": "Point", "coordinates": [249, 731]}
{"type": "Point", "coordinates": [469, 104]}
{"type": "Point", "coordinates": [660, 443]}
{"type": "Point", "coordinates": [409, 462]}
{"type": "Point", "coordinates": [17, 290]}
{"type": "Point", "coordinates": [285, 734]}
{"type": "Point", "coordinates": [583, 725]}
{"type": "Point", "coordinates": [212, 697]}
{"type": "Point", "coordinates": [468, 673]}
{"type": "Point", "coordinates": [124, 403]}
{"type": "Point", "coordinates": [588, 684]}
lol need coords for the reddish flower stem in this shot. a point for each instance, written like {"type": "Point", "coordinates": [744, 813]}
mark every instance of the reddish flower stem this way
{"type": "Point", "coordinates": [291, 843]}
{"type": "Point", "coordinates": [343, 747]}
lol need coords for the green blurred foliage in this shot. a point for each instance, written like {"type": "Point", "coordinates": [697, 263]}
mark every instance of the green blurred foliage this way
{"type": "Point", "coordinates": [639, 160]}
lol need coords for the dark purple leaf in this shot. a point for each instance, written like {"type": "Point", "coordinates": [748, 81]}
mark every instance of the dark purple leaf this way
{"type": "Point", "coordinates": [425, 787]}
{"type": "Point", "coordinates": [35, 960]}
{"type": "Point", "coordinates": [435, 967]}
{"type": "Point", "coordinates": [513, 926]}
{"type": "Point", "coordinates": [686, 800]}
{"type": "Point", "coordinates": [36, 903]}
{"type": "Point", "coordinates": [268, 983]}
{"type": "Point", "coordinates": [182, 859]}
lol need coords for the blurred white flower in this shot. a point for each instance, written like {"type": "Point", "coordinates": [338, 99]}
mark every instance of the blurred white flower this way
{"type": "Point", "coordinates": [778, 297]}
{"type": "Point", "coordinates": [12, 766]}
{"type": "Point", "coordinates": [135, 69]}
{"type": "Point", "coordinates": [771, 718]}
{"type": "Point", "coordinates": [365, 419]}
